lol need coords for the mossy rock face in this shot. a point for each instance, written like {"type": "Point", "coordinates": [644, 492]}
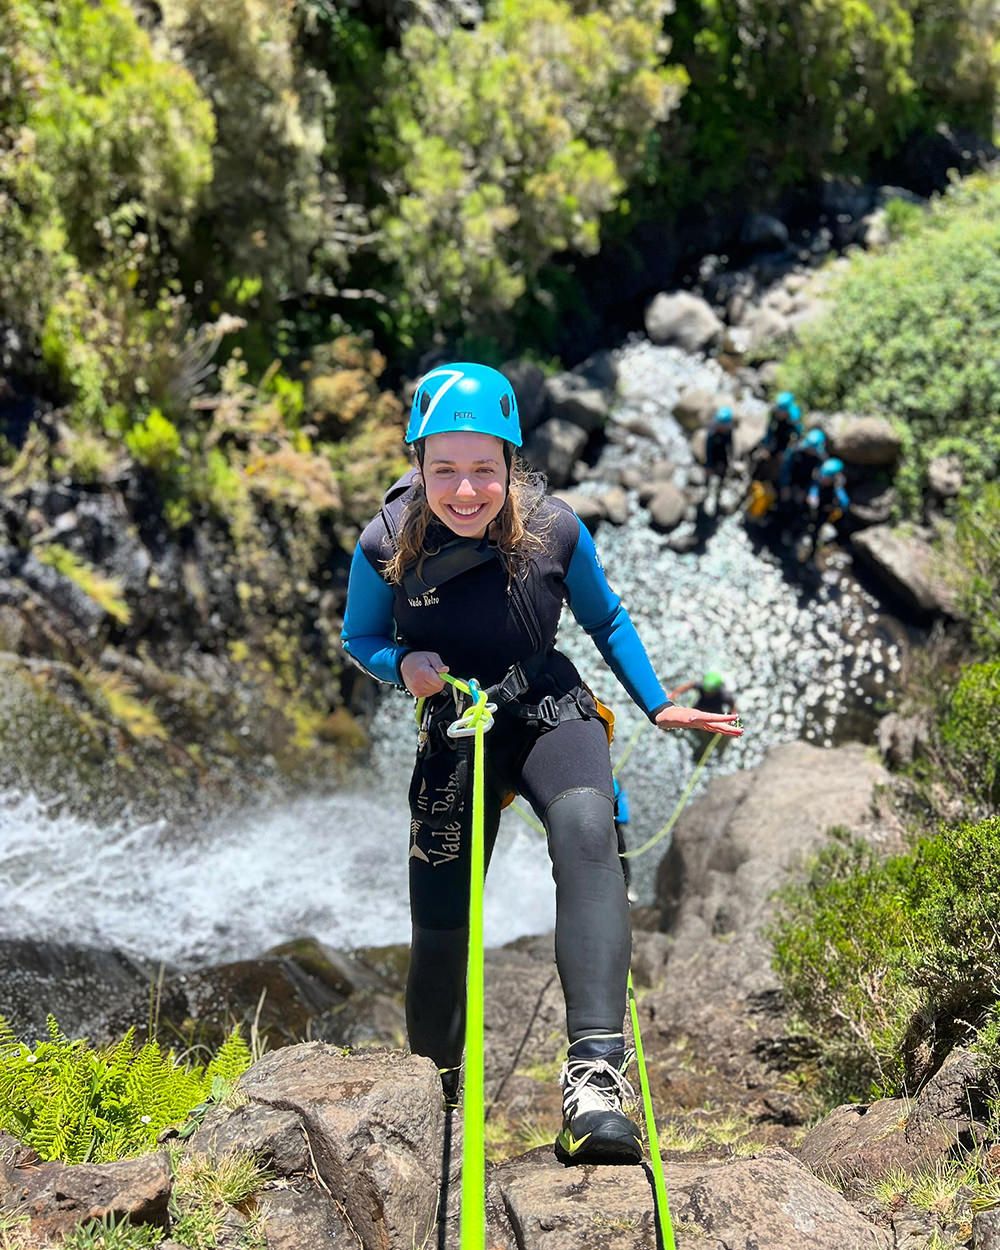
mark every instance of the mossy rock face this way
{"type": "Point", "coordinates": [98, 739]}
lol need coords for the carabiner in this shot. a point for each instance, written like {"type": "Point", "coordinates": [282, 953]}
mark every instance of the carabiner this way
{"type": "Point", "coordinates": [465, 726]}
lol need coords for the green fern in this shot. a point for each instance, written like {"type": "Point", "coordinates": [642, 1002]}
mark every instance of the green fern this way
{"type": "Point", "coordinates": [77, 1103]}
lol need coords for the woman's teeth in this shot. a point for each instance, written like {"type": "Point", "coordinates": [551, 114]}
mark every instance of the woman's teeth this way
{"type": "Point", "coordinates": [466, 511]}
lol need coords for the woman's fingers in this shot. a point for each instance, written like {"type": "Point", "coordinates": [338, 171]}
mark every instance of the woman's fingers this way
{"type": "Point", "coordinates": [721, 725]}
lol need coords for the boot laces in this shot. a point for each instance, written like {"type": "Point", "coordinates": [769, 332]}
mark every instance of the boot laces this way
{"type": "Point", "coordinates": [583, 1091]}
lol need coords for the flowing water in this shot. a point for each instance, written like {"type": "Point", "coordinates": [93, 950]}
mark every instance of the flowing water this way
{"type": "Point", "coordinates": [811, 658]}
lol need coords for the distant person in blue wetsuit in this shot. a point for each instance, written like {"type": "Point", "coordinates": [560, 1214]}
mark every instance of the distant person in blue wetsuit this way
{"type": "Point", "coordinates": [784, 425]}
{"type": "Point", "coordinates": [718, 452]}
{"type": "Point", "coordinates": [466, 570]}
{"type": "Point", "coordinates": [827, 501]}
{"type": "Point", "coordinates": [783, 429]}
{"type": "Point", "coordinates": [798, 468]}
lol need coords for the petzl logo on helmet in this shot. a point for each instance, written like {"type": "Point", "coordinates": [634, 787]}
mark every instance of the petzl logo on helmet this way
{"type": "Point", "coordinates": [453, 376]}
{"type": "Point", "coordinates": [465, 416]}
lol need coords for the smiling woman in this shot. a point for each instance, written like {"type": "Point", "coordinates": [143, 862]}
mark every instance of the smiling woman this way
{"type": "Point", "coordinates": [465, 480]}
{"type": "Point", "coordinates": [466, 569]}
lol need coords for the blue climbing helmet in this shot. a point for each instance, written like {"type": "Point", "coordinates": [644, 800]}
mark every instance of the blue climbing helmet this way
{"type": "Point", "coordinates": [831, 467]}
{"type": "Point", "coordinates": [464, 396]}
{"type": "Point", "coordinates": [786, 400]}
{"type": "Point", "coordinates": [724, 416]}
{"type": "Point", "coordinates": [815, 440]}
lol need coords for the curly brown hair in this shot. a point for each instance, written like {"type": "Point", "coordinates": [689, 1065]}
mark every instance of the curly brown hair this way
{"type": "Point", "coordinates": [516, 531]}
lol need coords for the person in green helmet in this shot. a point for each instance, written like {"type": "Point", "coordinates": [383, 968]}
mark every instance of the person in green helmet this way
{"type": "Point", "coordinates": [466, 570]}
{"type": "Point", "coordinates": [712, 693]}
{"type": "Point", "coordinates": [712, 696]}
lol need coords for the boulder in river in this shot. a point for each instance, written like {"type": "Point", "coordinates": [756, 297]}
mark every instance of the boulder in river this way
{"type": "Point", "coordinates": [576, 399]}
{"type": "Point", "coordinates": [869, 441]}
{"type": "Point", "coordinates": [907, 565]}
{"type": "Point", "coordinates": [667, 505]}
{"type": "Point", "coordinates": [528, 381]}
{"type": "Point", "coordinates": [554, 448]}
{"type": "Point", "coordinates": [696, 408]}
{"type": "Point", "coordinates": [683, 320]}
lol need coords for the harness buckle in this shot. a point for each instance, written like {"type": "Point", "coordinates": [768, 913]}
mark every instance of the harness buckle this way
{"type": "Point", "coordinates": [547, 712]}
{"type": "Point", "coordinates": [510, 687]}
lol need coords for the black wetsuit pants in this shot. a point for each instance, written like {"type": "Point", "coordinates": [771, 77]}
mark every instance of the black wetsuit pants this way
{"type": "Point", "coordinates": [565, 774]}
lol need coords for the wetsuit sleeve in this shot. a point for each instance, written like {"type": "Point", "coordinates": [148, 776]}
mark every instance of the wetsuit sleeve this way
{"type": "Point", "coordinates": [368, 635]}
{"type": "Point", "coordinates": [599, 610]}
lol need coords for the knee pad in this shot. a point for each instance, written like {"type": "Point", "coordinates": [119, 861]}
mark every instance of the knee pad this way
{"type": "Point", "coordinates": [580, 823]}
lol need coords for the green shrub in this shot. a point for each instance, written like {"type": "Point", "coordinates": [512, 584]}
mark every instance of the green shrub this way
{"type": "Point", "coordinates": [971, 732]}
{"type": "Point", "coordinates": [954, 894]}
{"type": "Point", "coordinates": [903, 217]}
{"type": "Point", "coordinates": [840, 946]}
{"type": "Point", "coordinates": [913, 333]}
{"type": "Point", "coordinates": [779, 93]}
{"type": "Point", "coordinates": [973, 556]}
{"type": "Point", "coordinates": [113, 122]}
{"type": "Point", "coordinates": [502, 145]}
{"type": "Point", "coordinates": [784, 93]}
{"type": "Point", "coordinates": [155, 443]}
{"type": "Point", "coordinates": [280, 203]}
{"type": "Point", "coordinates": [890, 963]}
{"type": "Point", "coordinates": [73, 1102]}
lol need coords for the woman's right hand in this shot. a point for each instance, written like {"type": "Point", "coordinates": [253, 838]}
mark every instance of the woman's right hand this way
{"type": "Point", "coordinates": [420, 672]}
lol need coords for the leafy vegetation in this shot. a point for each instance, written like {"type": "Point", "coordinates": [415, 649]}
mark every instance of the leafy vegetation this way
{"type": "Point", "coordinates": [779, 93]}
{"type": "Point", "coordinates": [507, 143]}
{"type": "Point", "coordinates": [106, 592]}
{"type": "Point", "coordinates": [912, 333]}
{"type": "Point", "coordinates": [892, 963]}
{"type": "Point", "coordinates": [204, 1193]}
{"type": "Point", "coordinates": [73, 1102]}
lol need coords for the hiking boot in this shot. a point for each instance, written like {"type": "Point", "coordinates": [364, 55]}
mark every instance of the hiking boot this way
{"type": "Point", "coordinates": [595, 1091]}
{"type": "Point", "coordinates": [451, 1085]}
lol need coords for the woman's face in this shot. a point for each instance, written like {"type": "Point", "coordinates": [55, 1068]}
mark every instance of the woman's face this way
{"type": "Point", "coordinates": [465, 480]}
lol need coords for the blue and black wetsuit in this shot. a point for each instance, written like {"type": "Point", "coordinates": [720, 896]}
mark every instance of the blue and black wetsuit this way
{"type": "Point", "coordinates": [548, 743]}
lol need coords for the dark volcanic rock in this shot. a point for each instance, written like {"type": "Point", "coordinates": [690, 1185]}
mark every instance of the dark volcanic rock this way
{"type": "Point", "coordinates": [871, 1140]}
{"type": "Point", "coordinates": [375, 1128]}
{"type": "Point", "coordinates": [908, 566]}
{"type": "Point", "coordinates": [59, 1196]}
{"type": "Point", "coordinates": [723, 1203]}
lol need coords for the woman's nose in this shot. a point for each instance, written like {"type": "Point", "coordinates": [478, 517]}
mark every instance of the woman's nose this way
{"type": "Point", "coordinates": [465, 487]}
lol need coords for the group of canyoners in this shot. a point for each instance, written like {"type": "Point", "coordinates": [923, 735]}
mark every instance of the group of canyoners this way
{"type": "Point", "coordinates": [793, 479]}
